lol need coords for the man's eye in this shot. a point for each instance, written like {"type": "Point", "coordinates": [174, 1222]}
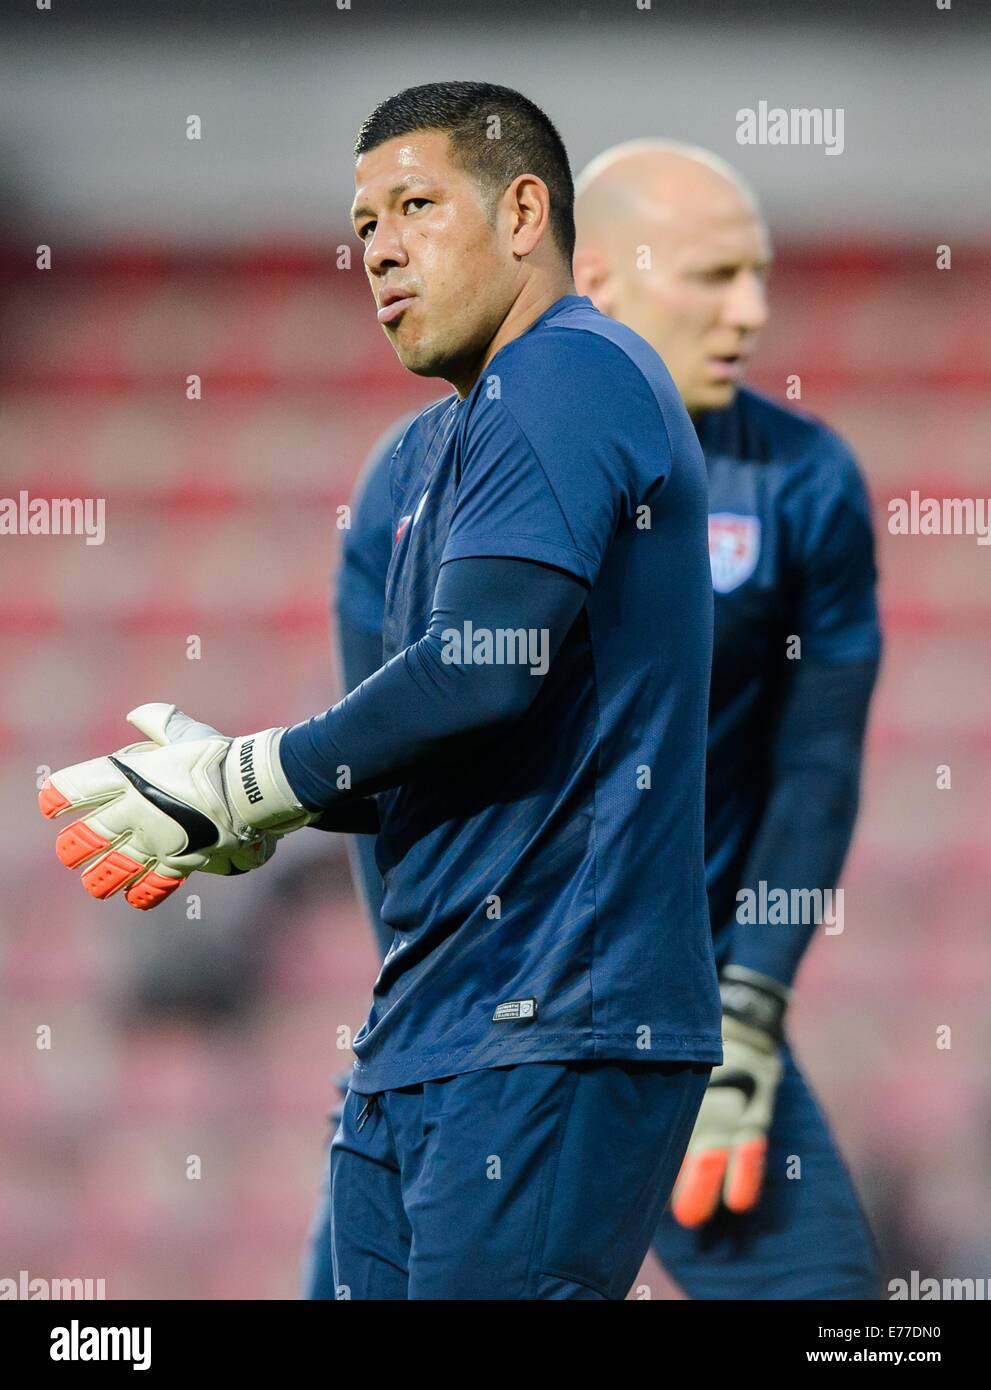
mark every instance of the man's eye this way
{"type": "Point", "coordinates": [410, 201]}
{"type": "Point", "coordinates": [363, 231]}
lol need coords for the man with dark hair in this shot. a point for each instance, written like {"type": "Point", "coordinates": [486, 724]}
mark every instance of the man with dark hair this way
{"type": "Point", "coordinates": [795, 659]}
{"type": "Point", "coordinates": [546, 1017]}
{"type": "Point", "coordinates": [544, 868]}
{"type": "Point", "coordinates": [531, 753]}
{"type": "Point", "coordinates": [494, 134]}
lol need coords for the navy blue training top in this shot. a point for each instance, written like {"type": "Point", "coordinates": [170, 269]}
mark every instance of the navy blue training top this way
{"type": "Point", "coordinates": [547, 897]}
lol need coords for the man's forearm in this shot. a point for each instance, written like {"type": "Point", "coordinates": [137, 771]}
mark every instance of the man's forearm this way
{"type": "Point", "coordinates": [808, 822]}
{"type": "Point", "coordinates": [802, 844]}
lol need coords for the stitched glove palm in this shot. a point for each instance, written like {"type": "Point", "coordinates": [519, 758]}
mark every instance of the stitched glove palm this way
{"type": "Point", "coordinates": [188, 798]}
{"type": "Point", "coordinates": [728, 1148]}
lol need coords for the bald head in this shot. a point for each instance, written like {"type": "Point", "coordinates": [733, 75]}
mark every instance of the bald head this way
{"type": "Point", "coordinates": [671, 241]}
{"type": "Point", "coordinates": [655, 183]}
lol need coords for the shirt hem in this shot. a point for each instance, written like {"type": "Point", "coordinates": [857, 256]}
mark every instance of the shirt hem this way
{"type": "Point", "coordinates": [372, 1077]}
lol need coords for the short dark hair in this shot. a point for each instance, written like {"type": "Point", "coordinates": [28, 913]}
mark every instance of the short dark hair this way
{"type": "Point", "coordinates": [528, 142]}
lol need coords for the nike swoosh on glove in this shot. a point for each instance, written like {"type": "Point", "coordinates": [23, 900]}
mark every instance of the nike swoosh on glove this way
{"type": "Point", "coordinates": [188, 798]}
{"type": "Point", "coordinates": [727, 1152]}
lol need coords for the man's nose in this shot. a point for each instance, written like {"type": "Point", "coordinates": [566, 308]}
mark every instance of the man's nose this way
{"type": "Point", "coordinates": [384, 249]}
{"type": "Point", "coordinates": [746, 302]}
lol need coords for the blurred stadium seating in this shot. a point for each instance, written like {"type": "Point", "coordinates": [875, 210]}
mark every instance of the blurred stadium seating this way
{"type": "Point", "coordinates": [222, 522]}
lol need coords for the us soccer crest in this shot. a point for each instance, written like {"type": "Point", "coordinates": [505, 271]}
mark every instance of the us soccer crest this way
{"type": "Point", "coordinates": [734, 547]}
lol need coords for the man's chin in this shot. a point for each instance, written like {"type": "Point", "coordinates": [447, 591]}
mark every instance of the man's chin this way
{"type": "Point", "coordinates": [422, 366]}
{"type": "Point", "coordinates": [712, 396]}
{"type": "Point", "coordinates": [423, 361]}
{"type": "Point", "coordinates": [416, 359]}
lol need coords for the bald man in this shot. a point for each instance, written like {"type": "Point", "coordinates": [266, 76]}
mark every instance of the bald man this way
{"type": "Point", "coordinates": [672, 243]}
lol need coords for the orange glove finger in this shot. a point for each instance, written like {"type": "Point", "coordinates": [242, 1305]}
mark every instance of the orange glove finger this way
{"type": "Point", "coordinates": [51, 802]}
{"type": "Point", "coordinates": [699, 1185]}
{"type": "Point", "coordinates": [746, 1175]}
{"type": "Point", "coordinates": [80, 841]}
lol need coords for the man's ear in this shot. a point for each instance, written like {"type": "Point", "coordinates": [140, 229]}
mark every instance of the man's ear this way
{"type": "Point", "coordinates": [529, 202]}
{"type": "Point", "coordinates": [594, 278]}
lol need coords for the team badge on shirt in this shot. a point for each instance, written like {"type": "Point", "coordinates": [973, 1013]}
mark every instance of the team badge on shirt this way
{"type": "Point", "coordinates": [734, 547]}
{"type": "Point", "coordinates": [414, 517]}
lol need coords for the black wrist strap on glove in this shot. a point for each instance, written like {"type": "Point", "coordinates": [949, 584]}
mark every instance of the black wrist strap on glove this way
{"type": "Point", "coordinates": [754, 999]}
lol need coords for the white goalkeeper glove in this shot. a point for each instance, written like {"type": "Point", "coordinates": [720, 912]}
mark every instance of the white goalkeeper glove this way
{"type": "Point", "coordinates": [191, 798]}
{"type": "Point", "coordinates": [727, 1152]}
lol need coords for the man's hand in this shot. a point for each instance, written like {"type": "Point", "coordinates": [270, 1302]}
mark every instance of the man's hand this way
{"type": "Point", "coordinates": [728, 1149]}
{"type": "Point", "coordinates": [189, 798]}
